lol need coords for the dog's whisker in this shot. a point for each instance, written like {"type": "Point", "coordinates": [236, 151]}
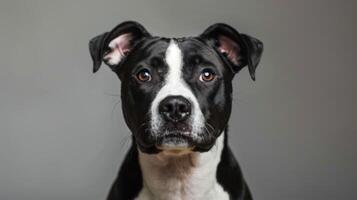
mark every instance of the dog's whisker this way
{"type": "Point", "coordinates": [112, 113]}
{"type": "Point", "coordinates": [112, 94]}
{"type": "Point", "coordinates": [124, 141]}
{"type": "Point", "coordinates": [142, 124]}
{"type": "Point", "coordinates": [210, 126]}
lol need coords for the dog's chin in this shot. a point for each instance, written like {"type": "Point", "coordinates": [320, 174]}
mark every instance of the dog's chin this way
{"type": "Point", "coordinates": [174, 143]}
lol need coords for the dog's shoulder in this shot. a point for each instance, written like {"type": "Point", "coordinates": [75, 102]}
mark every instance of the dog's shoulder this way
{"type": "Point", "coordinates": [230, 176]}
{"type": "Point", "coordinates": [129, 181]}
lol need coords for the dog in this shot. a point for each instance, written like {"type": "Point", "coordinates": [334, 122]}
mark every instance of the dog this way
{"type": "Point", "coordinates": [176, 100]}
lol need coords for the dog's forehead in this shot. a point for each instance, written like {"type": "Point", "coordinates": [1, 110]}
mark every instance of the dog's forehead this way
{"type": "Point", "coordinates": [188, 46]}
{"type": "Point", "coordinates": [192, 45]}
{"type": "Point", "coordinates": [187, 43]}
{"type": "Point", "coordinates": [154, 46]}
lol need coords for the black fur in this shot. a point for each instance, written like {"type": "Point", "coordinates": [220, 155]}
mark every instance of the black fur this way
{"type": "Point", "coordinates": [230, 176]}
{"type": "Point", "coordinates": [129, 181]}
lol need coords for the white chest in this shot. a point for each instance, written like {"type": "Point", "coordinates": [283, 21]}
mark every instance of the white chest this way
{"type": "Point", "coordinates": [216, 193]}
{"type": "Point", "coordinates": [186, 177]}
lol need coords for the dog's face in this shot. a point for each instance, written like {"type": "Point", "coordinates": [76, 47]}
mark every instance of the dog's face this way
{"type": "Point", "coordinates": [176, 93]}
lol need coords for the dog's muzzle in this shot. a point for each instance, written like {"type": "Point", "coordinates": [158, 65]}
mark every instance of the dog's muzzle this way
{"type": "Point", "coordinates": [176, 125]}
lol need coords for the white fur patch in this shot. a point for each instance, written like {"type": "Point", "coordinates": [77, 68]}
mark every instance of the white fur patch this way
{"type": "Point", "coordinates": [176, 85]}
{"type": "Point", "coordinates": [184, 177]}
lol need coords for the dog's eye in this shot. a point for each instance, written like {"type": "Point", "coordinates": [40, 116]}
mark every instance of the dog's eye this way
{"type": "Point", "coordinates": [207, 75]}
{"type": "Point", "coordinates": [143, 75]}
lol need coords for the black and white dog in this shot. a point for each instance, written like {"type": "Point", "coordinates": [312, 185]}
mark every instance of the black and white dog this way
{"type": "Point", "coordinates": [176, 99]}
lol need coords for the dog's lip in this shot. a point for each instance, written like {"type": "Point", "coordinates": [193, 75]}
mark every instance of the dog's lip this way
{"type": "Point", "coordinates": [177, 134]}
{"type": "Point", "coordinates": [175, 150]}
{"type": "Point", "coordinates": [185, 146]}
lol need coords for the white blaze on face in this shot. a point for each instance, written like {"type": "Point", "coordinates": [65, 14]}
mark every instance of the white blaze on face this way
{"type": "Point", "coordinates": [176, 85]}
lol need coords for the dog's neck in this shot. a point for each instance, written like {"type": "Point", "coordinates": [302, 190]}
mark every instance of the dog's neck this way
{"type": "Point", "coordinates": [188, 176]}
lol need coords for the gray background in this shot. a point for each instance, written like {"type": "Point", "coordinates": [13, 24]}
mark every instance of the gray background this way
{"type": "Point", "coordinates": [62, 135]}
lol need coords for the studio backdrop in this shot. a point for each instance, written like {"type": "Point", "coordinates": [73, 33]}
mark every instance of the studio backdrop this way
{"type": "Point", "coordinates": [294, 132]}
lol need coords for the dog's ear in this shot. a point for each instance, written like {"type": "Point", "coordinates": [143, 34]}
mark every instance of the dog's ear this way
{"type": "Point", "coordinates": [112, 47]}
{"type": "Point", "coordinates": [239, 49]}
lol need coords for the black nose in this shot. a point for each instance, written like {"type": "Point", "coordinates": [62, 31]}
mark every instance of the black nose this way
{"type": "Point", "coordinates": [175, 108]}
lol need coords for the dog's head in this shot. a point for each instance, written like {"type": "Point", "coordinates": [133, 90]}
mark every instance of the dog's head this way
{"type": "Point", "coordinates": [176, 92]}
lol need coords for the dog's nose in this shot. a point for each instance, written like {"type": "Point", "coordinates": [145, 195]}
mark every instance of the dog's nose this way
{"type": "Point", "coordinates": [175, 108]}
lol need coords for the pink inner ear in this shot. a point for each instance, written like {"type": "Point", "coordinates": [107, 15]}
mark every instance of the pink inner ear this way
{"type": "Point", "coordinates": [120, 47]}
{"type": "Point", "coordinates": [229, 47]}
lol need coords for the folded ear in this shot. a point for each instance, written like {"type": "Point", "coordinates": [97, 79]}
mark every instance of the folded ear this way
{"type": "Point", "coordinates": [239, 49]}
{"type": "Point", "coordinates": [112, 47]}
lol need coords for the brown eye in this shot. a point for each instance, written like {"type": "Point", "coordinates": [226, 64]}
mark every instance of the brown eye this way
{"type": "Point", "coordinates": [207, 75]}
{"type": "Point", "coordinates": [143, 75]}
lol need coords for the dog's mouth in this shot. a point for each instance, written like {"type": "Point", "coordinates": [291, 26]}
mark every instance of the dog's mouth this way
{"type": "Point", "coordinates": [174, 135]}
{"type": "Point", "coordinates": [175, 141]}
{"type": "Point", "coordinates": [170, 140]}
